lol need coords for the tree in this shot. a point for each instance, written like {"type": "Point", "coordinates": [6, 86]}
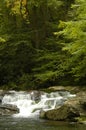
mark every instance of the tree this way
{"type": "Point", "coordinates": [42, 42]}
{"type": "Point", "coordinates": [74, 33]}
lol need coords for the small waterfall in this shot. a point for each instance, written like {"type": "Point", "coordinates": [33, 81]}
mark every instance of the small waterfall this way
{"type": "Point", "coordinates": [30, 103]}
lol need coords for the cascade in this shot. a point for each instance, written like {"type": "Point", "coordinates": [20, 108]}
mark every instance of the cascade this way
{"type": "Point", "coordinates": [30, 103]}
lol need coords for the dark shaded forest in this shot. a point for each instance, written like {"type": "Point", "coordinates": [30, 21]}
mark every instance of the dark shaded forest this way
{"type": "Point", "coordinates": [42, 43]}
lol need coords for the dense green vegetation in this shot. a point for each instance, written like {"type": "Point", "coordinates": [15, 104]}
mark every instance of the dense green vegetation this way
{"type": "Point", "coordinates": [42, 43]}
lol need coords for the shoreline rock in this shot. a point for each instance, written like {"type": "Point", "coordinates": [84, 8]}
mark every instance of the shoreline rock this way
{"type": "Point", "coordinates": [8, 109]}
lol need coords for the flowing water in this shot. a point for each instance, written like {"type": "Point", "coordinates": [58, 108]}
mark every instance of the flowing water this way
{"type": "Point", "coordinates": [10, 123]}
{"type": "Point", "coordinates": [30, 104]}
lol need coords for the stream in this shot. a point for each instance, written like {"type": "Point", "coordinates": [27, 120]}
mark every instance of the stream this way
{"type": "Point", "coordinates": [10, 123]}
{"type": "Point", "coordinates": [30, 104]}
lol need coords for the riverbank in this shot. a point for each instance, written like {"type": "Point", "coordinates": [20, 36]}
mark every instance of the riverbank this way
{"type": "Point", "coordinates": [72, 89]}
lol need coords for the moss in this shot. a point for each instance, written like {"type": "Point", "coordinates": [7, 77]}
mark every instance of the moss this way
{"type": "Point", "coordinates": [64, 113]}
{"type": "Point", "coordinates": [81, 119]}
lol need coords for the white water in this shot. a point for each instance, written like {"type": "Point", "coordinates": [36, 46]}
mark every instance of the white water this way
{"type": "Point", "coordinates": [30, 103]}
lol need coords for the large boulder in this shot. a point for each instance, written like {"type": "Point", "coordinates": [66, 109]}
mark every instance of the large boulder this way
{"type": "Point", "coordinates": [65, 112]}
{"type": "Point", "coordinates": [72, 89]}
{"type": "Point", "coordinates": [8, 109]}
{"type": "Point", "coordinates": [71, 109]}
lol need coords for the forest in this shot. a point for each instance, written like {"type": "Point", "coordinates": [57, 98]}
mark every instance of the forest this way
{"type": "Point", "coordinates": [42, 43]}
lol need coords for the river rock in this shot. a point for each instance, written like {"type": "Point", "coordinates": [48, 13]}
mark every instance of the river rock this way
{"type": "Point", "coordinates": [1, 95]}
{"type": "Point", "coordinates": [36, 95]}
{"type": "Point", "coordinates": [63, 113]}
{"type": "Point", "coordinates": [57, 88]}
{"type": "Point", "coordinates": [71, 109]}
{"type": "Point", "coordinates": [8, 109]}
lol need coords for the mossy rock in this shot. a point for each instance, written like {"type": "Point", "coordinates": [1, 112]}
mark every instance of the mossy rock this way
{"type": "Point", "coordinates": [82, 120]}
{"type": "Point", "coordinates": [64, 113]}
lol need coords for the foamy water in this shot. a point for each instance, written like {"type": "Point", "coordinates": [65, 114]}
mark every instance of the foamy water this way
{"type": "Point", "coordinates": [30, 103]}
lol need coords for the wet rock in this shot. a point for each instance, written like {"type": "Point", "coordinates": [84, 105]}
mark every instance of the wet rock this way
{"type": "Point", "coordinates": [42, 114]}
{"type": "Point", "coordinates": [0, 100]}
{"type": "Point", "coordinates": [83, 103]}
{"type": "Point", "coordinates": [7, 109]}
{"type": "Point", "coordinates": [72, 89]}
{"type": "Point", "coordinates": [82, 99]}
{"type": "Point", "coordinates": [36, 95]}
{"type": "Point", "coordinates": [83, 122]}
{"type": "Point", "coordinates": [1, 95]}
{"type": "Point", "coordinates": [71, 109]}
{"type": "Point", "coordinates": [63, 113]}
{"type": "Point", "coordinates": [57, 88]}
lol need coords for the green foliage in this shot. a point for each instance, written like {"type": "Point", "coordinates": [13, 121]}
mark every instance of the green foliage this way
{"type": "Point", "coordinates": [74, 32]}
{"type": "Point", "coordinates": [42, 43]}
{"type": "Point", "coordinates": [15, 59]}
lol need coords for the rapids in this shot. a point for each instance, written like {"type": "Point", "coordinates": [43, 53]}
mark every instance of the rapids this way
{"type": "Point", "coordinates": [31, 103]}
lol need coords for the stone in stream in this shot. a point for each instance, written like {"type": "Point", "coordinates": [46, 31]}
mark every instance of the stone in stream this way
{"type": "Point", "coordinates": [8, 109]}
{"type": "Point", "coordinates": [72, 110]}
{"type": "Point", "coordinates": [64, 113]}
{"type": "Point", "coordinates": [1, 95]}
{"type": "Point", "coordinates": [36, 95]}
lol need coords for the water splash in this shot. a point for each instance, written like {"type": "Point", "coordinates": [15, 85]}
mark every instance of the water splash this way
{"type": "Point", "coordinates": [30, 103]}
